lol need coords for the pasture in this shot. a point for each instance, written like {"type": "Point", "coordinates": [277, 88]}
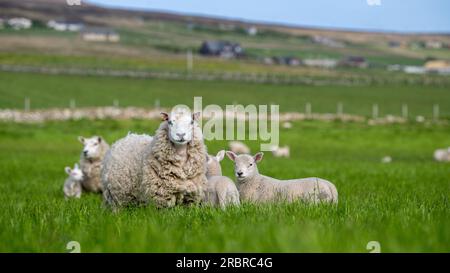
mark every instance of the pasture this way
{"type": "Point", "coordinates": [403, 205]}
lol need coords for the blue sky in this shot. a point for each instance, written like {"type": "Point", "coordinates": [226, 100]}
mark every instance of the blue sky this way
{"type": "Point", "coordinates": [389, 15]}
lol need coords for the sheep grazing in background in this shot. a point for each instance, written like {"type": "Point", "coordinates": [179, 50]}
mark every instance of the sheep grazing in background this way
{"type": "Point", "coordinates": [72, 186]}
{"type": "Point", "coordinates": [254, 187]}
{"type": "Point", "coordinates": [94, 150]}
{"type": "Point", "coordinates": [281, 151]}
{"type": "Point", "coordinates": [169, 170]}
{"type": "Point", "coordinates": [221, 190]}
{"type": "Point", "coordinates": [238, 147]}
{"type": "Point", "coordinates": [442, 155]}
{"type": "Point", "coordinates": [286, 125]}
{"type": "Point", "coordinates": [386, 159]}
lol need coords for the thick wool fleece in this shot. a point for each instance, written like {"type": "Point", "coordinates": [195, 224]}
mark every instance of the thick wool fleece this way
{"type": "Point", "coordinates": [169, 179]}
{"type": "Point", "coordinates": [122, 170]}
{"type": "Point", "coordinates": [91, 168]}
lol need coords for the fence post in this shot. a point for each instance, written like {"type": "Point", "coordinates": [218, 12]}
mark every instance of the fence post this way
{"type": "Point", "coordinates": [189, 61]}
{"type": "Point", "coordinates": [436, 112]}
{"type": "Point", "coordinates": [340, 109]}
{"type": "Point", "coordinates": [27, 104]}
{"type": "Point", "coordinates": [375, 111]}
{"type": "Point", "coordinates": [73, 104]}
{"type": "Point", "coordinates": [308, 109]}
{"type": "Point", "coordinates": [405, 111]}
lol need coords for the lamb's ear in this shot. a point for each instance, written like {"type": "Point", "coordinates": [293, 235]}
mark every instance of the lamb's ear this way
{"type": "Point", "coordinates": [164, 116]}
{"type": "Point", "coordinates": [81, 139]}
{"type": "Point", "coordinates": [258, 157]}
{"type": "Point", "coordinates": [67, 170]}
{"type": "Point", "coordinates": [220, 155]}
{"type": "Point", "coordinates": [231, 155]}
{"type": "Point", "coordinates": [76, 166]}
{"type": "Point", "coordinates": [196, 116]}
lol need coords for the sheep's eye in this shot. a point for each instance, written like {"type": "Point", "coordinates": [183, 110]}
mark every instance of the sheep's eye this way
{"type": "Point", "coordinates": [251, 164]}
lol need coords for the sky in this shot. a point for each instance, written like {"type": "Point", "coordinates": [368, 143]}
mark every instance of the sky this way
{"type": "Point", "coordinates": [372, 15]}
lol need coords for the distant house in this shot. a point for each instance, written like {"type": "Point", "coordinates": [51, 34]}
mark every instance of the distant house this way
{"type": "Point", "coordinates": [354, 61]}
{"type": "Point", "coordinates": [438, 66]}
{"type": "Point", "coordinates": [224, 49]}
{"type": "Point", "coordinates": [327, 41]}
{"type": "Point", "coordinates": [410, 69]}
{"type": "Point", "coordinates": [433, 44]}
{"type": "Point", "coordinates": [20, 23]}
{"type": "Point", "coordinates": [322, 63]}
{"type": "Point", "coordinates": [252, 31]}
{"type": "Point", "coordinates": [65, 25]}
{"type": "Point", "coordinates": [99, 34]}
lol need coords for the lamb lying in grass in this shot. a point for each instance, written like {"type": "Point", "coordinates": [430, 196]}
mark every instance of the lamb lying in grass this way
{"type": "Point", "coordinates": [254, 187]}
{"type": "Point", "coordinates": [72, 186]}
{"type": "Point", "coordinates": [221, 190]}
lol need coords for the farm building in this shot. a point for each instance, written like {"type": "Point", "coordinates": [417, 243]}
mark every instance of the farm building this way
{"type": "Point", "coordinates": [322, 63]}
{"type": "Point", "coordinates": [252, 31]}
{"type": "Point", "coordinates": [354, 61]}
{"type": "Point", "coordinates": [100, 35]}
{"type": "Point", "coordinates": [61, 25]}
{"type": "Point", "coordinates": [20, 23]}
{"type": "Point", "coordinates": [224, 49]}
{"type": "Point", "coordinates": [438, 66]}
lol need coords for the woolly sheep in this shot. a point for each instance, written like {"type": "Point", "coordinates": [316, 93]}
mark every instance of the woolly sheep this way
{"type": "Point", "coordinates": [442, 155]}
{"type": "Point", "coordinates": [254, 187]}
{"type": "Point", "coordinates": [72, 185]}
{"type": "Point", "coordinates": [238, 147]}
{"type": "Point", "coordinates": [94, 150]}
{"type": "Point", "coordinates": [386, 159]}
{"type": "Point", "coordinates": [220, 190]}
{"type": "Point", "coordinates": [281, 151]}
{"type": "Point", "coordinates": [166, 171]}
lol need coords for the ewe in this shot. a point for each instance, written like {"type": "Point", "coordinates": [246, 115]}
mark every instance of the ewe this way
{"type": "Point", "coordinates": [284, 151]}
{"type": "Point", "coordinates": [91, 158]}
{"type": "Point", "coordinates": [254, 187]}
{"type": "Point", "coordinates": [167, 170]}
{"type": "Point", "coordinates": [72, 185]}
{"type": "Point", "coordinates": [221, 190]}
{"type": "Point", "coordinates": [238, 147]}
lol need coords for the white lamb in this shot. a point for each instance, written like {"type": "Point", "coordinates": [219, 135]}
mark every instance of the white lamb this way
{"type": "Point", "coordinates": [254, 187]}
{"type": "Point", "coordinates": [238, 147]}
{"type": "Point", "coordinates": [442, 155]}
{"type": "Point", "coordinates": [72, 186]}
{"type": "Point", "coordinates": [94, 150]}
{"type": "Point", "coordinates": [221, 190]}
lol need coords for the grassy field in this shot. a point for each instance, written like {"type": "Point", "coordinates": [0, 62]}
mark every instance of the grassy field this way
{"type": "Point", "coordinates": [56, 91]}
{"type": "Point", "coordinates": [403, 205]}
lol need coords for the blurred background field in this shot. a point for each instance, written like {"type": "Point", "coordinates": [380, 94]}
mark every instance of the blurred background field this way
{"type": "Point", "coordinates": [57, 56]}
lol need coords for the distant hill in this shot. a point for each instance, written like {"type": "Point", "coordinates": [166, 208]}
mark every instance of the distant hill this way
{"type": "Point", "coordinates": [49, 9]}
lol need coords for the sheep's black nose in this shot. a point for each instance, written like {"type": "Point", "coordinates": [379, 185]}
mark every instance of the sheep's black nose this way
{"type": "Point", "coordinates": [85, 152]}
{"type": "Point", "coordinates": [239, 173]}
{"type": "Point", "coordinates": [181, 135]}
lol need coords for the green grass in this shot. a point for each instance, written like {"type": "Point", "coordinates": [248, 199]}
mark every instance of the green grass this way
{"type": "Point", "coordinates": [56, 91]}
{"type": "Point", "coordinates": [403, 205]}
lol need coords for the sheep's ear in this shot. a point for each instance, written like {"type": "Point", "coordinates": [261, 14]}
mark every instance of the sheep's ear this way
{"type": "Point", "coordinates": [220, 155]}
{"type": "Point", "coordinates": [81, 139]}
{"type": "Point", "coordinates": [164, 116]}
{"type": "Point", "coordinates": [196, 116]}
{"type": "Point", "coordinates": [258, 157]}
{"type": "Point", "coordinates": [99, 139]}
{"type": "Point", "coordinates": [231, 155]}
{"type": "Point", "coordinates": [67, 170]}
{"type": "Point", "coordinates": [76, 166]}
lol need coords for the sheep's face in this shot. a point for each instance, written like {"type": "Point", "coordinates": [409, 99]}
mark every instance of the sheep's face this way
{"type": "Point", "coordinates": [74, 173]}
{"type": "Point", "coordinates": [181, 126]}
{"type": "Point", "coordinates": [245, 165]}
{"type": "Point", "coordinates": [91, 147]}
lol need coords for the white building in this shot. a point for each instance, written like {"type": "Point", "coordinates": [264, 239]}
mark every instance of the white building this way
{"type": "Point", "coordinates": [64, 25]}
{"type": "Point", "coordinates": [323, 63]}
{"type": "Point", "coordinates": [20, 23]}
{"type": "Point", "coordinates": [100, 35]}
{"type": "Point", "coordinates": [252, 31]}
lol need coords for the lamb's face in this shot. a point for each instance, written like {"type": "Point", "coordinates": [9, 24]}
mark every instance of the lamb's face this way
{"type": "Point", "coordinates": [75, 173]}
{"type": "Point", "coordinates": [245, 165]}
{"type": "Point", "coordinates": [181, 126]}
{"type": "Point", "coordinates": [91, 147]}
